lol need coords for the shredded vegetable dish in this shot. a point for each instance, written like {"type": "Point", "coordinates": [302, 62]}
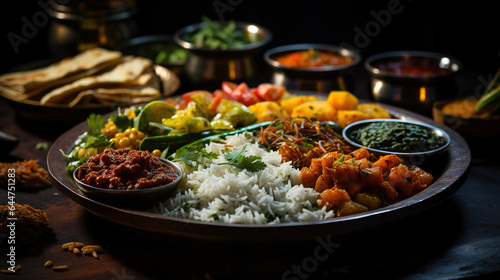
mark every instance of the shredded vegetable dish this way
{"type": "Point", "coordinates": [300, 140]}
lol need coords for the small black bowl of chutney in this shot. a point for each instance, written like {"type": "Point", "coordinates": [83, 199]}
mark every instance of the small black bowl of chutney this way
{"type": "Point", "coordinates": [400, 137]}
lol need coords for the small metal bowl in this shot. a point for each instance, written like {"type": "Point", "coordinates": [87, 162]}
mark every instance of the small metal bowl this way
{"type": "Point", "coordinates": [319, 79]}
{"type": "Point", "coordinates": [415, 92]}
{"type": "Point", "coordinates": [210, 67]}
{"type": "Point", "coordinates": [413, 157]}
{"type": "Point", "coordinates": [142, 198]}
{"type": "Point", "coordinates": [480, 133]}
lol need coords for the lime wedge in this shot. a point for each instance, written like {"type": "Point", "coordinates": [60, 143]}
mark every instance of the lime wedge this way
{"type": "Point", "coordinates": [154, 112]}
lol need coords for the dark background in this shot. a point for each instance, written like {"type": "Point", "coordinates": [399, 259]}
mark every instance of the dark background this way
{"type": "Point", "coordinates": [465, 30]}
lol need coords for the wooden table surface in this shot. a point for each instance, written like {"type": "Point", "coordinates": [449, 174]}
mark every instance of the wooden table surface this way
{"type": "Point", "coordinates": [459, 238]}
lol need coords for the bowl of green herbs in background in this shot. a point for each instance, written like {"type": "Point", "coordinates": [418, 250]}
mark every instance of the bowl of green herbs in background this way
{"type": "Point", "coordinates": [222, 51]}
{"type": "Point", "coordinates": [160, 48]}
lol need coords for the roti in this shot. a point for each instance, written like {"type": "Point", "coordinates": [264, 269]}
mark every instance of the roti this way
{"type": "Point", "coordinates": [116, 96]}
{"type": "Point", "coordinates": [133, 72]}
{"type": "Point", "coordinates": [27, 84]}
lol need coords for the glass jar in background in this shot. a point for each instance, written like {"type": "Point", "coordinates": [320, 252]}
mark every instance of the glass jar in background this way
{"type": "Point", "coordinates": [78, 25]}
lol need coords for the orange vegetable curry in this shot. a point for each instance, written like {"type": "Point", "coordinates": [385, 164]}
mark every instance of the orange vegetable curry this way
{"type": "Point", "coordinates": [312, 58]}
{"type": "Point", "coordinates": [348, 181]}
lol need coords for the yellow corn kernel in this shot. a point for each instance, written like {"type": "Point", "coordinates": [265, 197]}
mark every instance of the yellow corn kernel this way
{"type": "Point", "coordinates": [137, 143]}
{"type": "Point", "coordinates": [156, 153]}
{"type": "Point", "coordinates": [112, 130]}
{"type": "Point", "coordinates": [124, 142]}
{"type": "Point", "coordinates": [130, 114]}
{"type": "Point", "coordinates": [81, 152]}
{"type": "Point", "coordinates": [109, 129]}
{"type": "Point", "coordinates": [132, 137]}
{"type": "Point", "coordinates": [110, 123]}
{"type": "Point", "coordinates": [140, 135]}
{"type": "Point", "coordinates": [128, 139]}
{"type": "Point", "coordinates": [91, 152]}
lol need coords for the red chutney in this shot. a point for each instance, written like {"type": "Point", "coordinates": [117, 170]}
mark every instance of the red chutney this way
{"type": "Point", "coordinates": [123, 169]}
{"type": "Point", "coordinates": [312, 58]}
{"type": "Point", "coordinates": [415, 66]}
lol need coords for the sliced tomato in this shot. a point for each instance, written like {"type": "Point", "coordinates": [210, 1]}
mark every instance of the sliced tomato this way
{"type": "Point", "coordinates": [228, 87]}
{"type": "Point", "coordinates": [171, 101]}
{"type": "Point", "coordinates": [243, 95]}
{"type": "Point", "coordinates": [218, 96]}
{"type": "Point", "coordinates": [181, 105]}
{"type": "Point", "coordinates": [270, 92]}
{"type": "Point", "coordinates": [186, 97]}
{"type": "Point", "coordinates": [255, 92]}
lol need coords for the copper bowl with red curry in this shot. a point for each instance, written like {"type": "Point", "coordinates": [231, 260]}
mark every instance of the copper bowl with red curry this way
{"type": "Point", "coordinates": [134, 178]}
{"type": "Point", "coordinates": [412, 79]}
{"type": "Point", "coordinates": [312, 67]}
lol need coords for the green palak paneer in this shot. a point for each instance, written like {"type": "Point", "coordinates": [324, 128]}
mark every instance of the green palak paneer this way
{"type": "Point", "coordinates": [397, 137]}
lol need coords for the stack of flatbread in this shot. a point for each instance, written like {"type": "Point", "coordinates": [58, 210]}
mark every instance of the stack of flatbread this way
{"type": "Point", "coordinates": [93, 76]}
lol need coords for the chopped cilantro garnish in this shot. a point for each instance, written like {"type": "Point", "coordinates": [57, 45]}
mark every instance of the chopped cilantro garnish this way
{"type": "Point", "coordinates": [286, 178]}
{"type": "Point", "coordinates": [279, 125]}
{"type": "Point", "coordinates": [92, 138]}
{"type": "Point", "coordinates": [184, 205]}
{"type": "Point", "coordinates": [350, 161]}
{"type": "Point", "coordinates": [192, 154]}
{"type": "Point", "coordinates": [271, 217]}
{"type": "Point", "coordinates": [237, 159]}
{"type": "Point", "coordinates": [307, 144]}
{"type": "Point", "coordinates": [97, 141]}
{"type": "Point", "coordinates": [340, 160]}
{"type": "Point", "coordinates": [95, 123]}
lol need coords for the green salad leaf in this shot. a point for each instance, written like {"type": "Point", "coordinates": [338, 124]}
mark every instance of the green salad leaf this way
{"type": "Point", "coordinates": [92, 138]}
{"type": "Point", "coordinates": [95, 123]}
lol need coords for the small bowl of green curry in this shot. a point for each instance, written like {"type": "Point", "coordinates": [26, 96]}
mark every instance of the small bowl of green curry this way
{"type": "Point", "coordinates": [404, 138]}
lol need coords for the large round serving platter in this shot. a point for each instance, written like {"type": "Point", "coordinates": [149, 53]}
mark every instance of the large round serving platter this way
{"type": "Point", "coordinates": [449, 170]}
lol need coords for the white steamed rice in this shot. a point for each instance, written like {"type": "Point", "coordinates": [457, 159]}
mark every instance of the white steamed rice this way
{"type": "Point", "coordinates": [226, 194]}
